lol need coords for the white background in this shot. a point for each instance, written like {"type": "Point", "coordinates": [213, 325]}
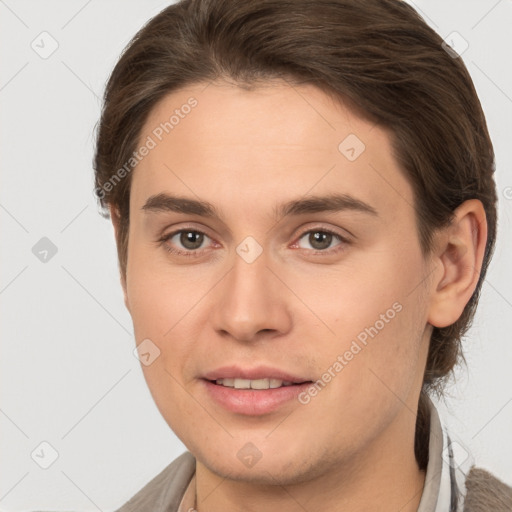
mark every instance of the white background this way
{"type": "Point", "coordinates": [69, 376]}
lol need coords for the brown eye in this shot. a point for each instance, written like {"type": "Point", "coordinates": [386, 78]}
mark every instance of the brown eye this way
{"type": "Point", "coordinates": [191, 240]}
{"type": "Point", "coordinates": [319, 240]}
{"type": "Point", "coordinates": [185, 242]}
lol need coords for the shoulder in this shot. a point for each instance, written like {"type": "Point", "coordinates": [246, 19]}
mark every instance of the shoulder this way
{"type": "Point", "coordinates": [486, 492]}
{"type": "Point", "coordinates": [165, 490]}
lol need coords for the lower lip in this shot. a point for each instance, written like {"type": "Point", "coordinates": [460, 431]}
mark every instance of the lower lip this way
{"type": "Point", "coordinates": [254, 402]}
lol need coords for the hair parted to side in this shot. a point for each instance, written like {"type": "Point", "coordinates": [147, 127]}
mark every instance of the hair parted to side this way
{"type": "Point", "coordinates": [377, 56]}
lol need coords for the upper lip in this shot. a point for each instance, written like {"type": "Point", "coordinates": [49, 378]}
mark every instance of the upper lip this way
{"type": "Point", "coordinates": [258, 372]}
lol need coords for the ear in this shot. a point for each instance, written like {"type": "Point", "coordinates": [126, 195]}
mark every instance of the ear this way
{"type": "Point", "coordinates": [116, 218]}
{"type": "Point", "coordinates": [460, 250]}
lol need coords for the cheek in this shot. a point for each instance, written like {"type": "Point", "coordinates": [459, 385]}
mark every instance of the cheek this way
{"type": "Point", "coordinates": [376, 317]}
{"type": "Point", "coordinates": [367, 288]}
{"type": "Point", "coordinates": [166, 309]}
{"type": "Point", "coordinates": [163, 311]}
{"type": "Point", "coordinates": [160, 297]}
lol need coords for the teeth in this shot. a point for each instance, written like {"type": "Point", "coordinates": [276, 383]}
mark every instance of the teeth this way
{"type": "Point", "coordinates": [253, 384]}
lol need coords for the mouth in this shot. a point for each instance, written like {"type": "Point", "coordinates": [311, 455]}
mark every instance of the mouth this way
{"type": "Point", "coordinates": [256, 384]}
{"type": "Point", "coordinates": [256, 397]}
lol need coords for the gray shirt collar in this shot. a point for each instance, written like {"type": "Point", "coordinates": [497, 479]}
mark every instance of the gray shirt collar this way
{"type": "Point", "coordinates": [444, 479]}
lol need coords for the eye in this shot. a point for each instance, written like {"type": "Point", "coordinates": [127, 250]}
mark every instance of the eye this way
{"type": "Point", "coordinates": [321, 240]}
{"type": "Point", "coordinates": [191, 240]}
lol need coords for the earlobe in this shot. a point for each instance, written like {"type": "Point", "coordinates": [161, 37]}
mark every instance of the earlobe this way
{"type": "Point", "coordinates": [461, 248]}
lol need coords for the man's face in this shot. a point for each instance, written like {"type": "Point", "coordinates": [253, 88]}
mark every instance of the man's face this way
{"type": "Point", "coordinates": [332, 296]}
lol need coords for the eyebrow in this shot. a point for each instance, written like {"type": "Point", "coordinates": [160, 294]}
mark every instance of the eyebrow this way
{"type": "Point", "coordinates": [164, 202]}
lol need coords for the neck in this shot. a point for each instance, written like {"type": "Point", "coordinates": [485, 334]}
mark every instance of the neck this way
{"type": "Point", "coordinates": [385, 477]}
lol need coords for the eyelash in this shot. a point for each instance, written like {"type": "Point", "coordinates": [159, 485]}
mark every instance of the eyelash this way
{"type": "Point", "coordinates": [196, 253]}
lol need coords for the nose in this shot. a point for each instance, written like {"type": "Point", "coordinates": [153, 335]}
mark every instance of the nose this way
{"type": "Point", "coordinates": [251, 302]}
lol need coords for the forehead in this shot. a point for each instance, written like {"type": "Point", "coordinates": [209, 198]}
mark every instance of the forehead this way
{"type": "Point", "coordinates": [217, 141]}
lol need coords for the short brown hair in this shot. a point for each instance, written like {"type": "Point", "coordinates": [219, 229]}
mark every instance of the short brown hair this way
{"type": "Point", "coordinates": [378, 56]}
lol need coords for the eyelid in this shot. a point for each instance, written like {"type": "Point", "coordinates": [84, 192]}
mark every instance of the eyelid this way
{"type": "Point", "coordinates": [195, 229]}
{"type": "Point", "coordinates": [164, 239]}
{"type": "Point", "coordinates": [325, 229]}
{"type": "Point", "coordinates": [333, 250]}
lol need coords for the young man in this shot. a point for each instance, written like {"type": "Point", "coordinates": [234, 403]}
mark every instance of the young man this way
{"type": "Point", "coordinates": [304, 207]}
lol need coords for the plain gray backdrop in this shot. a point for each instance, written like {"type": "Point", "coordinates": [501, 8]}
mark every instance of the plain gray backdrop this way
{"type": "Point", "coordinates": [73, 395]}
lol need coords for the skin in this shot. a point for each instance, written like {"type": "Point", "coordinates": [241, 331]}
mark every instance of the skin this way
{"type": "Point", "coordinates": [295, 307]}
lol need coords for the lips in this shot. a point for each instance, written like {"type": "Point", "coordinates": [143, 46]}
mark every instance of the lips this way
{"type": "Point", "coordinates": [255, 373]}
{"type": "Point", "coordinates": [251, 402]}
{"type": "Point", "coordinates": [250, 394]}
